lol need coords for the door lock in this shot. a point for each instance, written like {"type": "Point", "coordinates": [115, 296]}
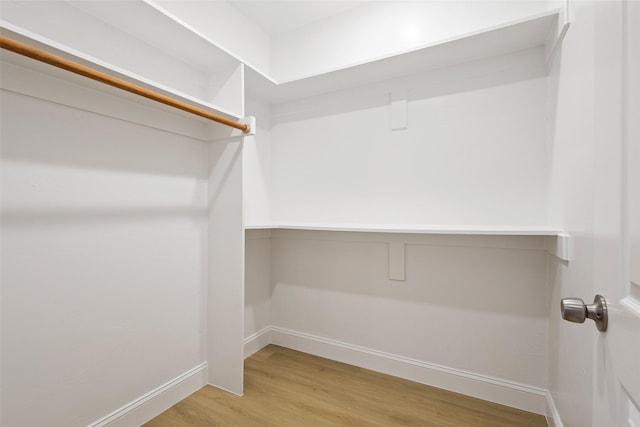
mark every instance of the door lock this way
{"type": "Point", "coordinates": [575, 310]}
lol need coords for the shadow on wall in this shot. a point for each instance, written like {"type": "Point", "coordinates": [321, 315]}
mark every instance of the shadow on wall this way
{"type": "Point", "coordinates": [46, 133]}
{"type": "Point", "coordinates": [48, 217]}
{"type": "Point", "coordinates": [467, 302]}
{"type": "Point", "coordinates": [63, 166]}
{"type": "Point", "coordinates": [223, 156]}
{"type": "Point", "coordinates": [473, 273]}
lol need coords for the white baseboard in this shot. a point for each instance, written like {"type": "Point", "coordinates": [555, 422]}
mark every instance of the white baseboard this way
{"type": "Point", "coordinates": [553, 416]}
{"type": "Point", "coordinates": [508, 393]}
{"type": "Point", "coordinates": [157, 401]}
{"type": "Point", "coordinates": [257, 341]}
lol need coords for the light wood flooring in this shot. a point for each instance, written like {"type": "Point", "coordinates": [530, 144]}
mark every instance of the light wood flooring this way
{"type": "Point", "coordinates": [285, 388]}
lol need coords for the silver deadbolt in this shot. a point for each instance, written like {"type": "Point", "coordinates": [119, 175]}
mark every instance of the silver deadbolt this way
{"type": "Point", "coordinates": [575, 310]}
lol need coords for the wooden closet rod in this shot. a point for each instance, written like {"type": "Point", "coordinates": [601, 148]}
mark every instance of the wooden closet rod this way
{"type": "Point", "coordinates": [74, 67]}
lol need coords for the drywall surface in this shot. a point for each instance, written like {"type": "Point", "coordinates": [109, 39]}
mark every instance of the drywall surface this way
{"type": "Point", "coordinates": [384, 28]}
{"type": "Point", "coordinates": [473, 151]}
{"type": "Point", "coordinates": [103, 259]}
{"type": "Point", "coordinates": [472, 303]}
{"type": "Point", "coordinates": [571, 205]}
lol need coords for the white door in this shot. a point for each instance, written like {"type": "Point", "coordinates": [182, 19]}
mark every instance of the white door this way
{"type": "Point", "coordinates": [617, 371]}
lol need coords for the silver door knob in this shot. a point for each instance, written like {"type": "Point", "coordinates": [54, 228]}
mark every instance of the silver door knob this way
{"type": "Point", "coordinates": [575, 310]}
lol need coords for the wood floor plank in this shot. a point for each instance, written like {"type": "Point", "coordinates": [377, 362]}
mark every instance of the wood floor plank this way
{"type": "Point", "coordinates": [284, 387]}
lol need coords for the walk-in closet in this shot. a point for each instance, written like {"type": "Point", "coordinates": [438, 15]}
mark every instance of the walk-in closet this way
{"type": "Point", "coordinates": [415, 188]}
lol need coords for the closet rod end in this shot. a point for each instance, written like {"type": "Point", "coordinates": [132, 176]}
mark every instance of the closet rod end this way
{"type": "Point", "coordinates": [250, 123]}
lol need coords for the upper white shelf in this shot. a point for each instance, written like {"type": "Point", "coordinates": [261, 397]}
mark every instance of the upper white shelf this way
{"type": "Point", "coordinates": [163, 52]}
{"type": "Point", "coordinates": [494, 230]}
{"type": "Point", "coordinates": [135, 42]}
{"type": "Point", "coordinates": [534, 31]}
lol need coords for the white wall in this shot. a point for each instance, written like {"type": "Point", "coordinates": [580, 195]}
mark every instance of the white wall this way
{"type": "Point", "coordinates": [103, 257]}
{"type": "Point", "coordinates": [474, 151]}
{"type": "Point", "coordinates": [383, 28]}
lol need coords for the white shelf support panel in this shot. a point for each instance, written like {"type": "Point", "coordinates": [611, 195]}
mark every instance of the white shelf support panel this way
{"type": "Point", "coordinates": [397, 260]}
{"type": "Point", "coordinates": [560, 246]}
{"type": "Point", "coordinates": [399, 110]}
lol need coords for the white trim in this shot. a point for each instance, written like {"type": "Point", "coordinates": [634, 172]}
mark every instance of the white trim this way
{"type": "Point", "coordinates": [156, 401]}
{"type": "Point", "coordinates": [484, 387]}
{"type": "Point", "coordinates": [553, 416]}
{"type": "Point", "coordinates": [255, 342]}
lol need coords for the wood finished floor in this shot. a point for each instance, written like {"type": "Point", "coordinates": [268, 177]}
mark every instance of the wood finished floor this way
{"type": "Point", "coordinates": [285, 388]}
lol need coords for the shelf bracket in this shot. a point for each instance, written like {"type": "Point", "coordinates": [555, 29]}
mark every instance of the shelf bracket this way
{"type": "Point", "coordinates": [559, 246]}
{"type": "Point", "coordinates": [399, 120]}
{"type": "Point", "coordinates": [397, 261]}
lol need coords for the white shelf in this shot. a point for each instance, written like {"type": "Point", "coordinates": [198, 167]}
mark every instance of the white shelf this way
{"type": "Point", "coordinates": [556, 241]}
{"type": "Point", "coordinates": [495, 230]}
{"type": "Point", "coordinates": [534, 31]}
{"type": "Point", "coordinates": [160, 55]}
{"type": "Point", "coordinates": [167, 54]}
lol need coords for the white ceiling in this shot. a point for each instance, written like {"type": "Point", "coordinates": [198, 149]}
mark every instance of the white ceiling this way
{"type": "Point", "coordinates": [277, 16]}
